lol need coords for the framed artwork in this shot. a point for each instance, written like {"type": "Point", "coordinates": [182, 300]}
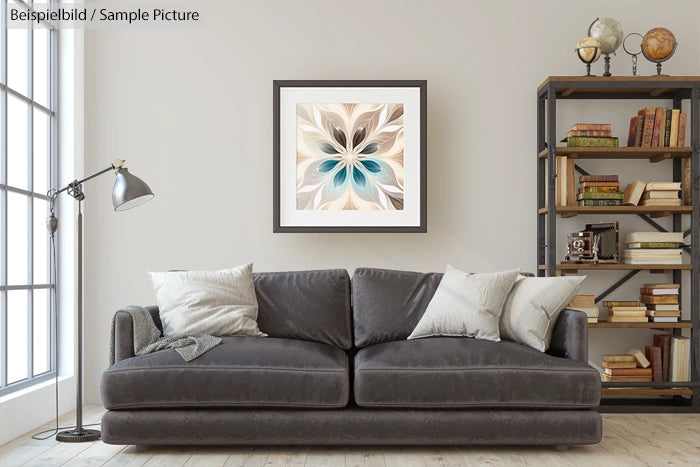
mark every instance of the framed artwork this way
{"type": "Point", "coordinates": [349, 156]}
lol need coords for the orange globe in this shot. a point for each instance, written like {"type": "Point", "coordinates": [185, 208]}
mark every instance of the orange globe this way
{"type": "Point", "coordinates": [658, 44]}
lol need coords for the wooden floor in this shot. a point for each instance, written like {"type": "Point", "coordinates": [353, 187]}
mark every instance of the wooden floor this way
{"type": "Point", "coordinates": [652, 440]}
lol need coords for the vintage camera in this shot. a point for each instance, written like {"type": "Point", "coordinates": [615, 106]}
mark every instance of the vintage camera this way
{"type": "Point", "coordinates": [597, 243]}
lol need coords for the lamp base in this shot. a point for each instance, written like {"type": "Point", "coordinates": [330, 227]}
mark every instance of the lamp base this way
{"type": "Point", "coordinates": [78, 436]}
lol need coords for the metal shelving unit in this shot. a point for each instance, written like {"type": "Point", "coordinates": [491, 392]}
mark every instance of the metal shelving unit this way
{"type": "Point", "coordinates": [662, 397]}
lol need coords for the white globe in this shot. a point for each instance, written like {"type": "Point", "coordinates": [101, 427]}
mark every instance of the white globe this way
{"type": "Point", "coordinates": [609, 32]}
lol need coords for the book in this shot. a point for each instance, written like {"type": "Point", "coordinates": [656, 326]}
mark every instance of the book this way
{"type": "Point", "coordinates": [599, 195]}
{"type": "Point", "coordinates": [633, 193]}
{"type": "Point", "coordinates": [632, 136]}
{"type": "Point", "coordinates": [627, 371]}
{"type": "Point", "coordinates": [592, 126]}
{"type": "Point", "coordinates": [667, 129]}
{"type": "Point", "coordinates": [598, 178]}
{"type": "Point", "coordinates": [617, 365]}
{"type": "Point", "coordinates": [619, 309]}
{"type": "Point", "coordinates": [660, 194]}
{"type": "Point", "coordinates": [680, 359]}
{"type": "Point", "coordinates": [639, 356]}
{"type": "Point", "coordinates": [591, 311]}
{"type": "Point", "coordinates": [659, 260]}
{"type": "Point", "coordinates": [653, 245]}
{"type": "Point", "coordinates": [659, 121]}
{"type": "Point", "coordinates": [599, 189]}
{"type": "Point", "coordinates": [607, 133]}
{"type": "Point", "coordinates": [660, 202]}
{"type": "Point", "coordinates": [681, 130]}
{"type": "Point", "coordinates": [647, 132]}
{"type": "Point", "coordinates": [661, 307]}
{"type": "Point", "coordinates": [674, 186]}
{"type": "Point", "coordinates": [664, 313]}
{"type": "Point", "coordinates": [582, 300]}
{"type": "Point", "coordinates": [650, 291]}
{"type": "Point", "coordinates": [675, 117]}
{"type": "Point", "coordinates": [664, 285]}
{"type": "Point", "coordinates": [626, 379]}
{"type": "Point", "coordinates": [619, 358]}
{"type": "Point", "coordinates": [640, 129]}
{"type": "Point", "coordinates": [652, 251]}
{"type": "Point", "coordinates": [600, 202]}
{"type": "Point", "coordinates": [659, 299]}
{"type": "Point", "coordinates": [610, 303]}
{"type": "Point", "coordinates": [608, 184]}
{"type": "Point", "coordinates": [627, 319]}
{"type": "Point", "coordinates": [663, 319]}
{"type": "Point", "coordinates": [591, 141]}
{"type": "Point", "coordinates": [676, 237]}
{"type": "Point", "coordinates": [653, 354]}
{"type": "Point", "coordinates": [663, 341]}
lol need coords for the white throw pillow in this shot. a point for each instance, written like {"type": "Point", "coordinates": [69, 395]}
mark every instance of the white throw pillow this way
{"type": "Point", "coordinates": [533, 307]}
{"type": "Point", "coordinates": [466, 304]}
{"type": "Point", "coordinates": [220, 303]}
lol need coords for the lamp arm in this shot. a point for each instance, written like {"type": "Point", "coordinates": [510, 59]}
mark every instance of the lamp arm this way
{"type": "Point", "coordinates": [117, 164]}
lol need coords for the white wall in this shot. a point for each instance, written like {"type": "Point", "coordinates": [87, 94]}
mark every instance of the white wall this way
{"type": "Point", "coordinates": [191, 111]}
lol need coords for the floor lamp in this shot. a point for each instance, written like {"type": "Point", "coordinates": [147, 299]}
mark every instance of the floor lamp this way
{"type": "Point", "coordinates": [129, 191]}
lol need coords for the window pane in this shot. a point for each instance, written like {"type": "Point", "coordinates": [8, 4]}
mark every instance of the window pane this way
{"type": "Point", "coordinates": [41, 65]}
{"type": "Point", "coordinates": [17, 59]}
{"type": "Point", "coordinates": [17, 362]}
{"type": "Point", "coordinates": [17, 150]}
{"type": "Point", "coordinates": [17, 239]}
{"type": "Point", "coordinates": [41, 152]}
{"type": "Point", "coordinates": [41, 338]}
{"type": "Point", "coordinates": [41, 242]}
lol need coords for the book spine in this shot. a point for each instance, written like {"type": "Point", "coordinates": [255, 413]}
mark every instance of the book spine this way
{"type": "Point", "coordinates": [640, 129]}
{"type": "Point", "coordinates": [659, 299]}
{"type": "Point", "coordinates": [654, 245]}
{"type": "Point", "coordinates": [649, 113]}
{"type": "Point", "coordinates": [592, 141]}
{"type": "Point", "coordinates": [667, 128]}
{"type": "Point", "coordinates": [610, 303]}
{"type": "Point", "coordinates": [673, 139]}
{"type": "Point", "coordinates": [607, 133]}
{"type": "Point", "coordinates": [600, 202]}
{"type": "Point", "coordinates": [634, 121]}
{"type": "Point", "coordinates": [600, 189]}
{"type": "Point", "coordinates": [592, 126]}
{"type": "Point", "coordinates": [681, 130]}
{"type": "Point", "coordinates": [653, 354]}
{"type": "Point", "coordinates": [598, 178]}
{"type": "Point", "coordinates": [645, 291]}
{"type": "Point", "coordinates": [600, 195]}
{"type": "Point", "coordinates": [659, 121]}
{"type": "Point", "coordinates": [615, 185]}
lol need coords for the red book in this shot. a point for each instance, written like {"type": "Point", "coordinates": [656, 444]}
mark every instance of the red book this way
{"type": "Point", "coordinates": [597, 184]}
{"type": "Point", "coordinates": [681, 130]}
{"type": "Point", "coordinates": [663, 341]}
{"type": "Point", "coordinates": [634, 121]}
{"type": "Point", "coordinates": [649, 113]}
{"type": "Point", "coordinates": [659, 124]}
{"type": "Point", "coordinates": [597, 178]}
{"type": "Point", "coordinates": [653, 354]}
{"type": "Point", "coordinates": [592, 126]}
{"type": "Point", "coordinates": [640, 128]}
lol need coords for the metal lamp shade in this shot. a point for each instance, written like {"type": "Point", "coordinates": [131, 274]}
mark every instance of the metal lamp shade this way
{"type": "Point", "coordinates": [129, 191]}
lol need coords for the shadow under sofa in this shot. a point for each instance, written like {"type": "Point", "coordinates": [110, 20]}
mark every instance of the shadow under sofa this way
{"type": "Point", "coordinates": [337, 369]}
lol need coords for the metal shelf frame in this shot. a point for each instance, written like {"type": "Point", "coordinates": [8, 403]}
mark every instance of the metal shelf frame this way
{"type": "Point", "coordinates": [676, 89]}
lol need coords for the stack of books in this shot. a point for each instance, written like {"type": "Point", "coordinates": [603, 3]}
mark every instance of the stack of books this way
{"type": "Point", "coordinates": [661, 194]}
{"type": "Point", "coordinates": [653, 248]}
{"type": "Point", "coordinates": [591, 135]}
{"type": "Point", "coordinates": [661, 301]}
{"type": "Point", "coordinates": [626, 311]}
{"type": "Point", "coordinates": [657, 127]}
{"type": "Point", "coordinates": [585, 303]}
{"type": "Point", "coordinates": [629, 367]}
{"type": "Point", "coordinates": [599, 190]}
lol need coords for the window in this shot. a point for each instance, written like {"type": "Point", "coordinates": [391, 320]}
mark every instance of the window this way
{"type": "Point", "coordinates": [27, 171]}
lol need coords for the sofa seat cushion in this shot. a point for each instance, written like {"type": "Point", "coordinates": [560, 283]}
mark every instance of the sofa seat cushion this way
{"type": "Point", "coordinates": [461, 372]}
{"type": "Point", "coordinates": [241, 371]}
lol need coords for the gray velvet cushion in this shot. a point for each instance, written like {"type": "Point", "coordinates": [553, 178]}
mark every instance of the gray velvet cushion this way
{"type": "Point", "coordinates": [241, 371]}
{"type": "Point", "coordinates": [306, 305]}
{"type": "Point", "coordinates": [387, 305]}
{"type": "Point", "coordinates": [461, 372]}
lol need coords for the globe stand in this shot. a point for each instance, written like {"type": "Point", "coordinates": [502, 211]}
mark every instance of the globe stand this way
{"type": "Point", "coordinates": [592, 58]}
{"type": "Point", "coordinates": [607, 66]}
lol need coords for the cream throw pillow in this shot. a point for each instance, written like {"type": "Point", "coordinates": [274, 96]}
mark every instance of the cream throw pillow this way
{"type": "Point", "coordinates": [466, 304]}
{"type": "Point", "coordinates": [533, 307]}
{"type": "Point", "coordinates": [220, 303]}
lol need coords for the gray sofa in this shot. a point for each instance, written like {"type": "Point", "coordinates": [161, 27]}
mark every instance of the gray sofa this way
{"type": "Point", "coordinates": [337, 369]}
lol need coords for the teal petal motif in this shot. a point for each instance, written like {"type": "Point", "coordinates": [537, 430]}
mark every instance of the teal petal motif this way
{"type": "Point", "coordinates": [327, 166]}
{"type": "Point", "coordinates": [340, 177]}
{"type": "Point", "coordinates": [371, 166]}
{"type": "Point", "coordinates": [371, 148]}
{"type": "Point", "coordinates": [358, 177]}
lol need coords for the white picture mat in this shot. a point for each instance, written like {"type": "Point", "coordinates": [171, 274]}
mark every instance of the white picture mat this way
{"type": "Point", "coordinates": [290, 97]}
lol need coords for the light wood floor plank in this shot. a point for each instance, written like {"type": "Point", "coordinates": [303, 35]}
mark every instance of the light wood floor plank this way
{"type": "Point", "coordinates": [205, 456]}
{"type": "Point", "coordinates": [408, 456]}
{"type": "Point", "coordinates": [362, 456]}
{"type": "Point", "coordinates": [329, 456]}
{"type": "Point", "coordinates": [21, 454]}
{"type": "Point", "coordinates": [171, 456]}
{"type": "Point", "coordinates": [246, 457]}
{"type": "Point", "coordinates": [131, 456]}
{"type": "Point", "coordinates": [286, 455]}
{"type": "Point", "coordinates": [59, 454]}
{"type": "Point", "coordinates": [97, 454]}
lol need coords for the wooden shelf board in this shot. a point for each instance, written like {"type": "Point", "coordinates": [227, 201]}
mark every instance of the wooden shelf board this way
{"type": "Point", "coordinates": [653, 154]}
{"type": "Point", "coordinates": [647, 391]}
{"type": "Point", "coordinates": [648, 325]}
{"type": "Point", "coordinates": [618, 267]}
{"type": "Point", "coordinates": [656, 211]}
{"type": "Point", "coordinates": [653, 85]}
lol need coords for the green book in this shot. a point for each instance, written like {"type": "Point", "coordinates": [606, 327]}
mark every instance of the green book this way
{"type": "Point", "coordinates": [600, 189]}
{"type": "Point", "coordinates": [600, 202]}
{"type": "Point", "coordinates": [599, 195]}
{"type": "Point", "coordinates": [592, 141]}
{"type": "Point", "coordinates": [654, 245]}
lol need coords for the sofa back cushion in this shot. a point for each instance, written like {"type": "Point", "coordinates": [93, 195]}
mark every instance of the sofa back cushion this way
{"type": "Point", "coordinates": [306, 305]}
{"type": "Point", "coordinates": [387, 304]}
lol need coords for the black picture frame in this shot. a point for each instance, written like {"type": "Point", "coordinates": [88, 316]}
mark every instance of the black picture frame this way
{"type": "Point", "coordinates": [420, 85]}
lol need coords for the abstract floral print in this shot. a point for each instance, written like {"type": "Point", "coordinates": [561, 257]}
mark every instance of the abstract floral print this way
{"type": "Point", "coordinates": [350, 156]}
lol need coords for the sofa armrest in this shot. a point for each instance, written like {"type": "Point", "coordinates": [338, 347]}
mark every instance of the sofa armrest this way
{"type": "Point", "coordinates": [124, 333]}
{"type": "Point", "coordinates": [570, 336]}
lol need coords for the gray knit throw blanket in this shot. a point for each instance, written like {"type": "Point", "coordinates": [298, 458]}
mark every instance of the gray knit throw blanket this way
{"type": "Point", "coordinates": [147, 337]}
